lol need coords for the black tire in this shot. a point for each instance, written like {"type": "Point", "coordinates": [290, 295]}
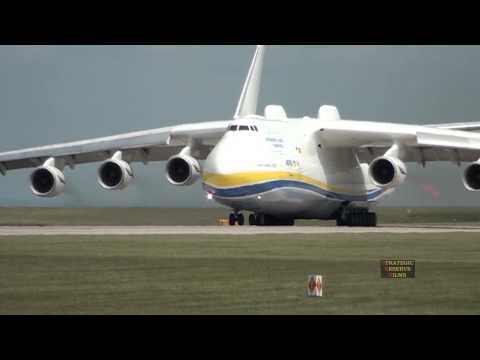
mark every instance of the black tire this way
{"type": "Point", "coordinates": [350, 220]}
{"type": "Point", "coordinates": [240, 219]}
{"type": "Point", "coordinates": [251, 220]}
{"type": "Point", "coordinates": [372, 219]}
{"type": "Point", "coordinates": [364, 219]}
{"type": "Point", "coordinates": [269, 220]}
{"type": "Point", "coordinates": [340, 221]}
{"type": "Point", "coordinates": [232, 219]}
{"type": "Point", "coordinates": [259, 219]}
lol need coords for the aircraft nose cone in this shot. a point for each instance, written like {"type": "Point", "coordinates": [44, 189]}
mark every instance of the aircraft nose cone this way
{"type": "Point", "coordinates": [226, 158]}
{"type": "Point", "coordinates": [222, 162]}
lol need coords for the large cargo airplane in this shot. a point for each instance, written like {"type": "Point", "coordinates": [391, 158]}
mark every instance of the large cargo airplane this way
{"type": "Point", "coordinates": [277, 168]}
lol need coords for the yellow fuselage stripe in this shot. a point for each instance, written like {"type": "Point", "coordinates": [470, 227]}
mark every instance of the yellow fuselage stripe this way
{"type": "Point", "coordinates": [249, 178]}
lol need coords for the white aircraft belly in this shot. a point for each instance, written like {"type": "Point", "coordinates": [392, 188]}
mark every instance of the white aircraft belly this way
{"type": "Point", "coordinates": [294, 202]}
{"type": "Point", "coordinates": [288, 202]}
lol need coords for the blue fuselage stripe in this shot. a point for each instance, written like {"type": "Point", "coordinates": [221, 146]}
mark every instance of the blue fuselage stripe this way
{"type": "Point", "coordinates": [250, 190]}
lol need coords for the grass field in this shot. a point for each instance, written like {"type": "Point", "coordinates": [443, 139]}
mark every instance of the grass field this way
{"type": "Point", "coordinates": [143, 216]}
{"type": "Point", "coordinates": [237, 275]}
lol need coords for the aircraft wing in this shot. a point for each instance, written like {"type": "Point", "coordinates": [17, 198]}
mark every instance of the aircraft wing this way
{"type": "Point", "coordinates": [143, 146]}
{"type": "Point", "coordinates": [420, 143]}
{"type": "Point", "coordinates": [466, 126]}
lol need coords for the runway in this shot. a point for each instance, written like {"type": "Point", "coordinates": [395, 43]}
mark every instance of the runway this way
{"type": "Point", "coordinates": [226, 230]}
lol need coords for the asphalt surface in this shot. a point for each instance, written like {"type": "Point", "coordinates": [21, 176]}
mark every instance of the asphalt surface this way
{"type": "Point", "coordinates": [225, 230]}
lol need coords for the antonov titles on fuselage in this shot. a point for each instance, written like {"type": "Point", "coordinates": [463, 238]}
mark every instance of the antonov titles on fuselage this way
{"type": "Point", "coordinates": [277, 168]}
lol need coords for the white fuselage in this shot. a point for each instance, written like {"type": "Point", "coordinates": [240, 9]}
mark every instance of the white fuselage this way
{"type": "Point", "coordinates": [282, 170]}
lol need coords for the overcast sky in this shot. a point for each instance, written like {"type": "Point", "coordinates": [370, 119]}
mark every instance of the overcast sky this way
{"type": "Point", "coordinates": [51, 94]}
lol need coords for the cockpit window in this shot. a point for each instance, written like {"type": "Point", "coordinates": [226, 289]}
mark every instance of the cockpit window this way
{"type": "Point", "coordinates": [243, 128]}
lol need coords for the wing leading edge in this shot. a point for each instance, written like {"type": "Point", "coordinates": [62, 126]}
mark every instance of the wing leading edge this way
{"type": "Point", "coordinates": [420, 143]}
{"type": "Point", "coordinates": [142, 146]}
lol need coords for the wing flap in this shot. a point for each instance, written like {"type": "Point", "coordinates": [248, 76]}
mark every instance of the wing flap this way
{"type": "Point", "coordinates": [464, 126]}
{"type": "Point", "coordinates": [448, 140]}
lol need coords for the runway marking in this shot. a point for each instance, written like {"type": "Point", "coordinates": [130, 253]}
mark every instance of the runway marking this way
{"type": "Point", "coordinates": [224, 230]}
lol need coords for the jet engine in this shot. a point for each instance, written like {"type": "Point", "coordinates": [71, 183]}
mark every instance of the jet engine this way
{"type": "Point", "coordinates": [387, 172]}
{"type": "Point", "coordinates": [471, 177]}
{"type": "Point", "coordinates": [182, 170]}
{"type": "Point", "coordinates": [47, 181]}
{"type": "Point", "coordinates": [115, 174]}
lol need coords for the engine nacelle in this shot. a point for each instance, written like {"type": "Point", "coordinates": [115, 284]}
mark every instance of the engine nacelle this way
{"type": "Point", "coordinates": [471, 177]}
{"type": "Point", "coordinates": [47, 181]}
{"type": "Point", "coordinates": [182, 170]}
{"type": "Point", "coordinates": [387, 172]}
{"type": "Point", "coordinates": [115, 174]}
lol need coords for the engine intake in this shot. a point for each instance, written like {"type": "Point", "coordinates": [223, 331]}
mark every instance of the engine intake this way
{"type": "Point", "coordinates": [387, 172]}
{"type": "Point", "coordinates": [47, 181]}
{"type": "Point", "coordinates": [115, 174]}
{"type": "Point", "coordinates": [471, 177]}
{"type": "Point", "coordinates": [182, 170]}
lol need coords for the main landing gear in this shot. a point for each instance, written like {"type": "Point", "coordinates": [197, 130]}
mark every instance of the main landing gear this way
{"type": "Point", "coordinates": [259, 220]}
{"type": "Point", "coordinates": [268, 220]}
{"type": "Point", "coordinates": [357, 217]}
{"type": "Point", "coordinates": [236, 218]}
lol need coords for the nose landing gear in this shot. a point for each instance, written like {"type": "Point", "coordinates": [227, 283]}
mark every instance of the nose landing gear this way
{"type": "Point", "coordinates": [267, 220]}
{"type": "Point", "coordinates": [259, 220]}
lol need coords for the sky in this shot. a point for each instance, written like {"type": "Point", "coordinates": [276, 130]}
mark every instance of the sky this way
{"type": "Point", "coordinates": [56, 94]}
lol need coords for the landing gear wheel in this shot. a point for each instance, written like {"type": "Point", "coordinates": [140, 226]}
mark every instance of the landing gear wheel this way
{"type": "Point", "coordinates": [240, 219]}
{"type": "Point", "coordinates": [232, 219]}
{"type": "Point", "coordinates": [350, 221]}
{"type": "Point", "coordinates": [357, 217]}
{"type": "Point", "coordinates": [259, 219]}
{"type": "Point", "coordinates": [269, 220]}
{"type": "Point", "coordinates": [363, 217]}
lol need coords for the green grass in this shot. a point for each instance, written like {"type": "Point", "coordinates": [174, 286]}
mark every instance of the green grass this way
{"type": "Point", "coordinates": [143, 216]}
{"type": "Point", "coordinates": [237, 274]}
{"type": "Point", "coordinates": [110, 216]}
